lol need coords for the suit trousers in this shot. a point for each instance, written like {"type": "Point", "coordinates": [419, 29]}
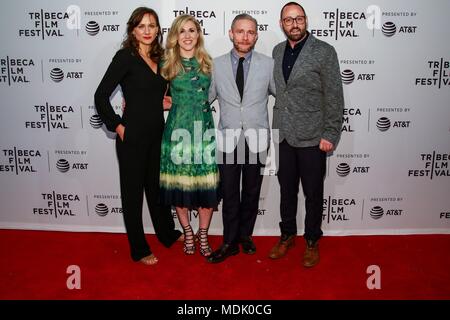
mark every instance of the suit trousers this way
{"type": "Point", "coordinates": [240, 208]}
{"type": "Point", "coordinates": [139, 173]}
{"type": "Point", "coordinates": [307, 165]}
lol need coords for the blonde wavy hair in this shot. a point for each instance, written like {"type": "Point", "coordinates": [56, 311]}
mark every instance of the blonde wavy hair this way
{"type": "Point", "coordinates": [172, 60]}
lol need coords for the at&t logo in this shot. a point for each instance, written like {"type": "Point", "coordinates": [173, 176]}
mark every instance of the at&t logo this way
{"type": "Point", "coordinates": [348, 76]}
{"type": "Point", "coordinates": [102, 210]}
{"type": "Point", "coordinates": [58, 75]}
{"type": "Point", "coordinates": [389, 29]}
{"type": "Point", "coordinates": [343, 169]}
{"type": "Point", "coordinates": [95, 121]}
{"type": "Point", "coordinates": [93, 28]}
{"type": "Point", "coordinates": [63, 166]}
{"type": "Point", "coordinates": [377, 212]}
{"type": "Point", "coordinates": [383, 124]}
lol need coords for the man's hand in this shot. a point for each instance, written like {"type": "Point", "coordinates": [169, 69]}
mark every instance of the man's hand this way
{"type": "Point", "coordinates": [325, 145]}
{"type": "Point", "coordinates": [120, 130]}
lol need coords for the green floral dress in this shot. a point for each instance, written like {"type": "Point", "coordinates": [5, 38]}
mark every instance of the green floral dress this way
{"type": "Point", "coordinates": [189, 174]}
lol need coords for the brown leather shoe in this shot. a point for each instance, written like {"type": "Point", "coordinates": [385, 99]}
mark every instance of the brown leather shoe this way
{"type": "Point", "coordinates": [311, 255]}
{"type": "Point", "coordinates": [281, 248]}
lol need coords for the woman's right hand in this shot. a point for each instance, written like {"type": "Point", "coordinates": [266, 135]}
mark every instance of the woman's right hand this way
{"type": "Point", "coordinates": [120, 130]}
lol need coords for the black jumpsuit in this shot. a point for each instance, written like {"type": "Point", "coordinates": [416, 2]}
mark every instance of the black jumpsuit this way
{"type": "Point", "coordinates": [139, 152]}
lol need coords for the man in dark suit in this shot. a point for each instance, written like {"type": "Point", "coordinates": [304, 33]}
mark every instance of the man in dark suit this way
{"type": "Point", "coordinates": [242, 81]}
{"type": "Point", "coordinates": [308, 114]}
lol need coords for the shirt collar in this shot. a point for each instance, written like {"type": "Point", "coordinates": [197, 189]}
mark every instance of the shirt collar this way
{"type": "Point", "coordinates": [235, 57]}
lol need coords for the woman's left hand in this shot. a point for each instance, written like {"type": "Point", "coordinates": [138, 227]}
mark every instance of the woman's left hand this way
{"type": "Point", "coordinates": [167, 102]}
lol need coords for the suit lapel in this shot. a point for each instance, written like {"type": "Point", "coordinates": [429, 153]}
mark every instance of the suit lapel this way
{"type": "Point", "coordinates": [298, 69]}
{"type": "Point", "coordinates": [251, 72]}
{"type": "Point", "coordinates": [278, 70]}
{"type": "Point", "coordinates": [228, 69]}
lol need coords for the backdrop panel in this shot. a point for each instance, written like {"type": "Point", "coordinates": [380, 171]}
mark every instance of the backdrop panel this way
{"type": "Point", "coordinates": [389, 175]}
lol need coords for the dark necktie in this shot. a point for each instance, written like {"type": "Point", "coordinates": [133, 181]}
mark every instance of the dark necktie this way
{"type": "Point", "coordinates": [240, 76]}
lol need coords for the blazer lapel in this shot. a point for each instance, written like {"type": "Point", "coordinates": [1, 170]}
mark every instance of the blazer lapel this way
{"type": "Point", "coordinates": [298, 69]}
{"type": "Point", "coordinates": [278, 70]}
{"type": "Point", "coordinates": [228, 69]}
{"type": "Point", "coordinates": [251, 72]}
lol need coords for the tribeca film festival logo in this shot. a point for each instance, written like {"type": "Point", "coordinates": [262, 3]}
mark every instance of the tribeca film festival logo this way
{"type": "Point", "coordinates": [63, 165]}
{"type": "Point", "coordinates": [51, 117]}
{"type": "Point", "coordinates": [386, 206]}
{"type": "Point", "coordinates": [15, 70]}
{"type": "Point", "coordinates": [94, 27]}
{"type": "Point", "coordinates": [353, 114]}
{"type": "Point", "coordinates": [17, 160]}
{"type": "Point", "coordinates": [344, 24]}
{"type": "Point", "coordinates": [343, 169]}
{"type": "Point", "coordinates": [57, 205]}
{"type": "Point", "coordinates": [385, 123]}
{"type": "Point", "coordinates": [201, 15]}
{"type": "Point", "coordinates": [69, 71]}
{"type": "Point", "coordinates": [440, 74]}
{"type": "Point", "coordinates": [336, 209]}
{"type": "Point", "coordinates": [51, 24]}
{"type": "Point", "coordinates": [435, 164]}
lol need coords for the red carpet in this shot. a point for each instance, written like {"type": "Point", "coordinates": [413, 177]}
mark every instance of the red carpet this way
{"type": "Point", "coordinates": [34, 263]}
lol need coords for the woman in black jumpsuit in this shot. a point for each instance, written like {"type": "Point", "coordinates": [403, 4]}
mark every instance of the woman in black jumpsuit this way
{"type": "Point", "coordinates": [139, 130]}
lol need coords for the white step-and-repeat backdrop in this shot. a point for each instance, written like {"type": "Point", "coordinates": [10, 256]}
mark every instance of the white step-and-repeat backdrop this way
{"type": "Point", "coordinates": [389, 175]}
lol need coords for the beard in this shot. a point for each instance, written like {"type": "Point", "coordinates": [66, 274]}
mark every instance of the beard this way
{"type": "Point", "coordinates": [243, 48]}
{"type": "Point", "coordinates": [297, 36]}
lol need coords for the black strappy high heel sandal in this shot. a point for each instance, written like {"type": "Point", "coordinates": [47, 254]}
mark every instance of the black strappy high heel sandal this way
{"type": "Point", "coordinates": [202, 237]}
{"type": "Point", "coordinates": [189, 243]}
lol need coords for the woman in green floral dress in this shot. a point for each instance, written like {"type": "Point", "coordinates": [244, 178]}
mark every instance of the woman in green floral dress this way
{"type": "Point", "coordinates": [189, 175]}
